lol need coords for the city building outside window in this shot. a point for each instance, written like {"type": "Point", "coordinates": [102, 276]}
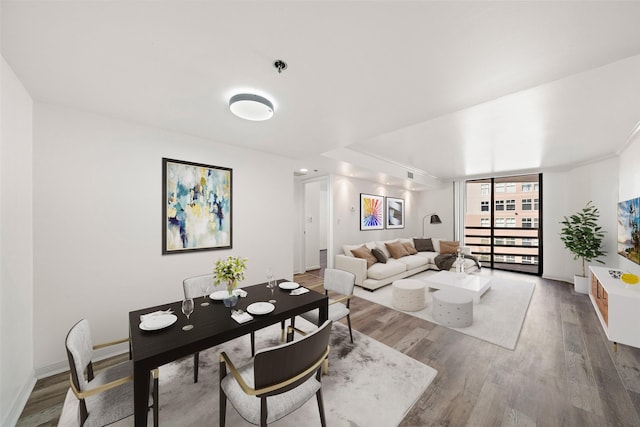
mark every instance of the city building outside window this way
{"type": "Point", "coordinates": [499, 205]}
{"type": "Point", "coordinates": [499, 222]}
{"type": "Point", "coordinates": [535, 222]}
{"type": "Point", "coordinates": [511, 187]}
{"type": "Point", "coordinates": [526, 204]}
{"type": "Point", "coordinates": [526, 187]}
{"type": "Point", "coordinates": [511, 205]}
{"type": "Point", "coordinates": [484, 206]}
{"type": "Point", "coordinates": [499, 188]}
{"type": "Point", "coordinates": [526, 222]}
{"type": "Point", "coordinates": [511, 222]}
{"type": "Point", "coordinates": [536, 205]}
{"type": "Point", "coordinates": [484, 189]}
{"type": "Point", "coordinates": [484, 222]}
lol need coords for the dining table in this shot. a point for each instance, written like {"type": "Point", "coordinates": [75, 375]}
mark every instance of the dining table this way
{"type": "Point", "coordinates": [212, 325]}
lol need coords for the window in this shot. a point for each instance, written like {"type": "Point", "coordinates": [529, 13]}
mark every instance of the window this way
{"type": "Point", "coordinates": [529, 242]}
{"type": "Point", "coordinates": [499, 188]}
{"type": "Point", "coordinates": [528, 259]}
{"type": "Point", "coordinates": [484, 222]}
{"type": "Point", "coordinates": [526, 187]}
{"type": "Point", "coordinates": [511, 241]}
{"type": "Point", "coordinates": [499, 222]}
{"type": "Point", "coordinates": [499, 241]}
{"type": "Point", "coordinates": [536, 205]}
{"type": "Point", "coordinates": [526, 204]}
{"type": "Point", "coordinates": [484, 206]}
{"type": "Point", "coordinates": [511, 205]}
{"type": "Point", "coordinates": [526, 222]}
{"type": "Point", "coordinates": [484, 189]}
{"type": "Point", "coordinates": [505, 241]}
{"type": "Point", "coordinates": [511, 222]}
{"type": "Point", "coordinates": [499, 205]}
{"type": "Point", "coordinates": [535, 187]}
{"type": "Point", "coordinates": [535, 222]}
{"type": "Point", "coordinates": [505, 258]}
{"type": "Point", "coordinates": [485, 240]}
{"type": "Point", "coordinates": [511, 187]}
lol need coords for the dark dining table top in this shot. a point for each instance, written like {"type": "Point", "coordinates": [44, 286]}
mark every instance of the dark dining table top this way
{"type": "Point", "coordinates": [212, 324]}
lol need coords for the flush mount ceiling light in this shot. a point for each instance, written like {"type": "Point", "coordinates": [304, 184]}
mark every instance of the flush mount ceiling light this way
{"type": "Point", "coordinates": [251, 107]}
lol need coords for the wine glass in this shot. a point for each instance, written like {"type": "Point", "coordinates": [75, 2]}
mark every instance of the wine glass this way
{"type": "Point", "coordinates": [187, 309]}
{"type": "Point", "coordinates": [204, 287]}
{"type": "Point", "coordinates": [271, 284]}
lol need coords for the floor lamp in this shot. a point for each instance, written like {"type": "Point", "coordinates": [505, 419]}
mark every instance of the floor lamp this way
{"type": "Point", "coordinates": [435, 219]}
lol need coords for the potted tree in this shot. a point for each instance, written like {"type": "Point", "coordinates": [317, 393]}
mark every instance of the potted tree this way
{"type": "Point", "coordinates": [582, 235]}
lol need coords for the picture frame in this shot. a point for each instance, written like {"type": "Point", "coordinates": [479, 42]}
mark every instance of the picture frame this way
{"type": "Point", "coordinates": [628, 214]}
{"type": "Point", "coordinates": [197, 207]}
{"type": "Point", "coordinates": [371, 212]}
{"type": "Point", "coordinates": [394, 213]}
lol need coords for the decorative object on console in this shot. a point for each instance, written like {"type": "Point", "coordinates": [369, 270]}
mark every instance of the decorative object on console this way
{"type": "Point", "coordinates": [582, 235]}
{"type": "Point", "coordinates": [395, 212]}
{"type": "Point", "coordinates": [629, 229]}
{"type": "Point", "coordinates": [435, 219]}
{"type": "Point", "coordinates": [196, 207]}
{"type": "Point", "coordinates": [371, 212]}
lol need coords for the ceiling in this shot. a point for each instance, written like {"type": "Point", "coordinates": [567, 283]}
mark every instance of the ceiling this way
{"type": "Point", "coordinates": [372, 89]}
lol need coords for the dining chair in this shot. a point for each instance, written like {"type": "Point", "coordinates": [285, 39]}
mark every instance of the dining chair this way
{"type": "Point", "coordinates": [107, 396]}
{"type": "Point", "coordinates": [278, 381]}
{"type": "Point", "coordinates": [338, 282]}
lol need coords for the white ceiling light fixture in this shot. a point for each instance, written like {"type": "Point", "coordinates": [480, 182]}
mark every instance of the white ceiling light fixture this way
{"type": "Point", "coordinates": [251, 107]}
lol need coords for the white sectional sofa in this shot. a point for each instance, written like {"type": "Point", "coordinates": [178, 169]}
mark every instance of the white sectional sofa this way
{"type": "Point", "coordinates": [380, 274]}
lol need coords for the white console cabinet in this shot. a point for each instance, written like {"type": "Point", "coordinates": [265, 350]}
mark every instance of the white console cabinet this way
{"type": "Point", "coordinates": [617, 305]}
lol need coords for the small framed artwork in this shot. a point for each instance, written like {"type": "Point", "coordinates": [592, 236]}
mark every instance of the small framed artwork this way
{"type": "Point", "coordinates": [394, 212]}
{"type": "Point", "coordinates": [371, 212]}
{"type": "Point", "coordinates": [196, 207]}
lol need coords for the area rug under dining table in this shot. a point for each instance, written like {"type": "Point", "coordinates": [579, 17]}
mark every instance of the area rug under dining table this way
{"type": "Point", "coordinates": [497, 319]}
{"type": "Point", "coordinates": [368, 384]}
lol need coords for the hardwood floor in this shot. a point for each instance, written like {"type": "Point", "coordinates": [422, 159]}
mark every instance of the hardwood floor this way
{"type": "Point", "coordinates": [563, 371]}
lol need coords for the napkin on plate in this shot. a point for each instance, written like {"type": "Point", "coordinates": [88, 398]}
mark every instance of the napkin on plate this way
{"type": "Point", "coordinates": [299, 291]}
{"type": "Point", "coordinates": [241, 317]}
{"type": "Point", "coordinates": [240, 292]}
{"type": "Point", "coordinates": [143, 317]}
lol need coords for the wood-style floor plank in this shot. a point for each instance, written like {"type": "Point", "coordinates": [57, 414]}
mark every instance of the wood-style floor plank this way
{"type": "Point", "coordinates": [563, 372]}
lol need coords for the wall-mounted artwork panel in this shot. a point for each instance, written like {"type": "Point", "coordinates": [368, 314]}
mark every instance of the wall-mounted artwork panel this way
{"type": "Point", "coordinates": [628, 229]}
{"type": "Point", "coordinates": [394, 212]}
{"type": "Point", "coordinates": [371, 212]}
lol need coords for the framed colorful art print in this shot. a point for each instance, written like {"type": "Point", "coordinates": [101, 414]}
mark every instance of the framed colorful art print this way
{"type": "Point", "coordinates": [371, 212]}
{"type": "Point", "coordinates": [394, 212]}
{"type": "Point", "coordinates": [196, 207]}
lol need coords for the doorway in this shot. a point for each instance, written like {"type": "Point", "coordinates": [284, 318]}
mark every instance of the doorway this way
{"type": "Point", "coordinates": [316, 225]}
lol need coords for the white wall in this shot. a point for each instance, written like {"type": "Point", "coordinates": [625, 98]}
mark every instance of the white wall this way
{"type": "Point", "coordinates": [98, 222]}
{"type": "Point", "coordinates": [346, 212]}
{"type": "Point", "coordinates": [629, 188]}
{"type": "Point", "coordinates": [440, 202]}
{"type": "Point", "coordinates": [566, 193]}
{"type": "Point", "coordinates": [16, 246]}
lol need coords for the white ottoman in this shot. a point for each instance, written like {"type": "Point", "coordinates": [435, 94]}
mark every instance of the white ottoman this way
{"type": "Point", "coordinates": [408, 294]}
{"type": "Point", "coordinates": [453, 308]}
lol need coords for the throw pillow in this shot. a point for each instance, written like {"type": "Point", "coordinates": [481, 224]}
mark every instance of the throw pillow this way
{"type": "Point", "coordinates": [409, 247]}
{"type": "Point", "coordinates": [364, 253]}
{"type": "Point", "coordinates": [449, 247]}
{"type": "Point", "coordinates": [424, 245]}
{"type": "Point", "coordinates": [396, 249]}
{"type": "Point", "coordinates": [380, 256]}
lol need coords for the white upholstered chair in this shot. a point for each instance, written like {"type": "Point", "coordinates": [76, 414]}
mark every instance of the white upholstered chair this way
{"type": "Point", "coordinates": [278, 381]}
{"type": "Point", "coordinates": [106, 396]}
{"type": "Point", "coordinates": [340, 283]}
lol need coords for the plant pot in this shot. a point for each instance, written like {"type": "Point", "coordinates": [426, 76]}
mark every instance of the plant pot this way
{"type": "Point", "coordinates": [581, 284]}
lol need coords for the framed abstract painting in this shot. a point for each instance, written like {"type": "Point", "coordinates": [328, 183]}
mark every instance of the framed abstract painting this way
{"type": "Point", "coordinates": [629, 229]}
{"type": "Point", "coordinates": [371, 212]}
{"type": "Point", "coordinates": [394, 212]}
{"type": "Point", "coordinates": [196, 207]}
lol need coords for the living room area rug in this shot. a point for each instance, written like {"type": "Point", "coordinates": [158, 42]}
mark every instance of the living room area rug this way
{"type": "Point", "coordinates": [368, 384]}
{"type": "Point", "coordinates": [498, 318]}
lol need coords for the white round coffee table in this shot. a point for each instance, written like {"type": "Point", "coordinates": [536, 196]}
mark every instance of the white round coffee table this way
{"type": "Point", "coordinates": [408, 294]}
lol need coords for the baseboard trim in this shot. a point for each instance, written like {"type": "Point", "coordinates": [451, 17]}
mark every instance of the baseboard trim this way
{"type": "Point", "coordinates": [101, 354]}
{"type": "Point", "coordinates": [20, 402]}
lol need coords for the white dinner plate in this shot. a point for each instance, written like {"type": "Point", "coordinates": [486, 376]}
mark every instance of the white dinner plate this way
{"type": "Point", "coordinates": [219, 295]}
{"type": "Point", "coordinates": [160, 321]}
{"type": "Point", "coordinates": [288, 285]}
{"type": "Point", "coordinates": [261, 308]}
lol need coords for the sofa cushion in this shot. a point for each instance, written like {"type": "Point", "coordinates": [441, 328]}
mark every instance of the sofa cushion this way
{"type": "Point", "coordinates": [414, 261]}
{"type": "Point", "coordinates": [409, 247]}
{"type": "Point", "coordinates": [348, 248]}
{"type": "Point", "coordinates": [396, 249]}
{"type": "Point", "coordinates": [423, 245]}
{"type": "Point", "coordinates": [383, 247]}
{"type": "Point", "coordinates": [380, 256]}
{"type": "Point", "coordinates": [447, 247]}
{"type": "Point", "coordinates": [380, 271]}
{"type": "Point", "coordinates": [364, 253]}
